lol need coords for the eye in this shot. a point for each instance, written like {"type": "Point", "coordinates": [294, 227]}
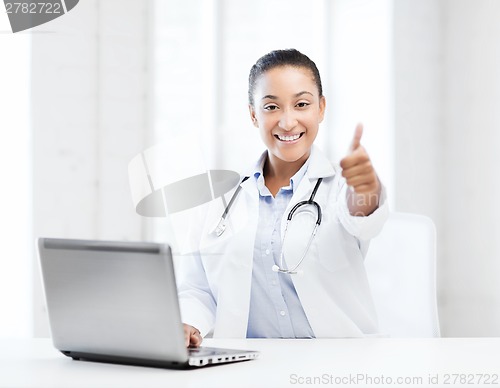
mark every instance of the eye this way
{"type": "Point", "coordinates": [302, 104]}
{"type": "Point", "coordinates": [270, 107]}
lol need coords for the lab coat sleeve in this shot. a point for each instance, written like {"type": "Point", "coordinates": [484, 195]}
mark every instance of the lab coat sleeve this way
{"type": "Point", "coordinates": [196, 300]}
{"type": "Point", "coordinates": [363, 228]}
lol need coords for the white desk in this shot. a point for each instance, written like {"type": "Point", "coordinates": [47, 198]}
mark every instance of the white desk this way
{"type": "Point", "coordinates": [35, 363]}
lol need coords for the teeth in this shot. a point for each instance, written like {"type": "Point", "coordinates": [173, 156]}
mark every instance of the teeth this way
{"type": "Point", "coordinates": [288, 138]}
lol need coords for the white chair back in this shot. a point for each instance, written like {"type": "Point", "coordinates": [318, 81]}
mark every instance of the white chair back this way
{"type": "Point", "coordinates": [401, 267]}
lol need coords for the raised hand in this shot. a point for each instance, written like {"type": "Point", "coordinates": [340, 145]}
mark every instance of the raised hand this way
{"type": "Point", "coordinates": [360, 175]}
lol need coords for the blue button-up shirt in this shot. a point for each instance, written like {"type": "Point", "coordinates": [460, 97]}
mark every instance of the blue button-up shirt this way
{"type": "Point", "coordinates": [275, 308]}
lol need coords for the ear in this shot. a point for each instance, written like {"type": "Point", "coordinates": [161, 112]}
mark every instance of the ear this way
{"type": "Point", "coordinates": [322, 107]}
{"type": "Point", "coordinates": [251, 109]}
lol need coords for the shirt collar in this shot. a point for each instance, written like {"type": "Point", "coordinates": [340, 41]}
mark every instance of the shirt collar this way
{"type": "Point", "coordinates": [258, 173]}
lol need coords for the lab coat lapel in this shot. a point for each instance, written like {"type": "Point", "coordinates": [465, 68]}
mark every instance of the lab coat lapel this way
{"type": "Point", "coordinates": [250, 188]}
{"type": "Point", "coordinates": [319, 165]}
{"type": "Point", "coordinates": [234, 302]}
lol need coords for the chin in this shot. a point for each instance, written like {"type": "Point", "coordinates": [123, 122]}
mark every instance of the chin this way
{"type": "Point", "coordinates": [293, 156]}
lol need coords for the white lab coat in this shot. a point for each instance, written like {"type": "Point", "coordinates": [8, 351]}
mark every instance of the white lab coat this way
{"type": "Point", "coordinates": [214, 282]}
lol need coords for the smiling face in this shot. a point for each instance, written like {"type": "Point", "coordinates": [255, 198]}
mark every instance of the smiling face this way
{"type": "Point", "coordinates": [287, 110]}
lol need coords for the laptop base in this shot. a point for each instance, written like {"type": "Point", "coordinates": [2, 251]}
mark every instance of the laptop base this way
{"type": "Point", "coordinates": [208, 356]}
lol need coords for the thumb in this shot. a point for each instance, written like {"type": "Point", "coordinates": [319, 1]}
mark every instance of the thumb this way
{"type": "Point", "coordinates": [356, 140]}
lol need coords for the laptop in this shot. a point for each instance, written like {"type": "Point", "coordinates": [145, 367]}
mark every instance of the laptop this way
{"type": "Point", "coordinates": [117, 302]}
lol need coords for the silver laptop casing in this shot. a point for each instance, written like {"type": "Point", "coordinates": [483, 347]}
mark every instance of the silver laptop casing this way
{"type": "Point", "coordinates": [117, 302]}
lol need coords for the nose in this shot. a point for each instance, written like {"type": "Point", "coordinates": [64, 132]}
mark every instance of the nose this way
{"type": "Point", "coordinates": [288, 121]}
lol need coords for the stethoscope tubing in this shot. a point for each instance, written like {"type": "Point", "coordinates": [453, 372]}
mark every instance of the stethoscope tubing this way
{"type": "Point", "coordinates": [310, 201]}
{"type": "Point", "coordinates": [221, 226]}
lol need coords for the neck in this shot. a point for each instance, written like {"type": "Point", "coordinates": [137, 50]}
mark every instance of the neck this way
{"type": "Point", "coordinates": [281, 171]}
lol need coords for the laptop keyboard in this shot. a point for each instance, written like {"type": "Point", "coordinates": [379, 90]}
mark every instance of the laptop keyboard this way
{"type": "Point", "coordinates": [204, 352]}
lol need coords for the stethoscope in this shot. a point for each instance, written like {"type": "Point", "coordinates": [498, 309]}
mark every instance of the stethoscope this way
{"type": "Point", "coordinates": [221, 226]}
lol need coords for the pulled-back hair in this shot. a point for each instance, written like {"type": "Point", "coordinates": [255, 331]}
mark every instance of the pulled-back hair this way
{"type": "Point", "coordinates": [278, 58]}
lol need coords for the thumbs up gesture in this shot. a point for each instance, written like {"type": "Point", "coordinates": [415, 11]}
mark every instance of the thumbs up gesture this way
{"type": "Point", "coordinates": [360, 175]}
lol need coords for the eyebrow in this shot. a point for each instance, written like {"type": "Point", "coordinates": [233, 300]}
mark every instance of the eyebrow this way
{"type": "Point", "coordinates": [271, 97]}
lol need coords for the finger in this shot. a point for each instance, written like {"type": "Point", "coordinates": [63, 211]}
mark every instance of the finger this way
{"type": "Point", "coordinates": [359, 169]}
{"type": "Point", "coordinates": [361, 180]}
{"type": "Point", "coordinates": [371, 186]}
{"type": "Point", "coordinates": [359, 156]}
{"type": "Point", "coordinates": [195, 339]}
{"type": "Point", "coordinates": [365, 188]}
{"type": "Point", "coordinates": [188, 330]}
{"type": "Point", "coordinates": [356, 140]}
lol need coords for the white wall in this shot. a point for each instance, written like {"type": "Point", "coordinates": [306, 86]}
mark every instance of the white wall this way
{"type": "Point", "coordinates": [90, 97]}
{"type": "Point", "coordinates": [470, 158]}
{"type": "Point", "coordinates": [108, 82]}
{"type": "Point", "coordinates": [15, 174]}
{"type": "Point", "coordinates": [418, 105]}
{"type": "Point", "coordinates": [361, 83]}
{"type": "Point", "coordinates": [447, 93]}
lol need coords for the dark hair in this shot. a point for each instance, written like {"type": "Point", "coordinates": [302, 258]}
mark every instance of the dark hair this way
{"type": "Point", "coordinates": [277, 58]}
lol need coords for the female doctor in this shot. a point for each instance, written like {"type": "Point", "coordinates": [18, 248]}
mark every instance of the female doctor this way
{"type": "Point", "coordinates": [263, 275]}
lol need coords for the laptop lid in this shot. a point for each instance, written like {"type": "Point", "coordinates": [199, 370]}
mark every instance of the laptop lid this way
{"type": "Point", "coordinates": [112, 298]}
{"type": "Point", "coordinates": [117, 302]}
